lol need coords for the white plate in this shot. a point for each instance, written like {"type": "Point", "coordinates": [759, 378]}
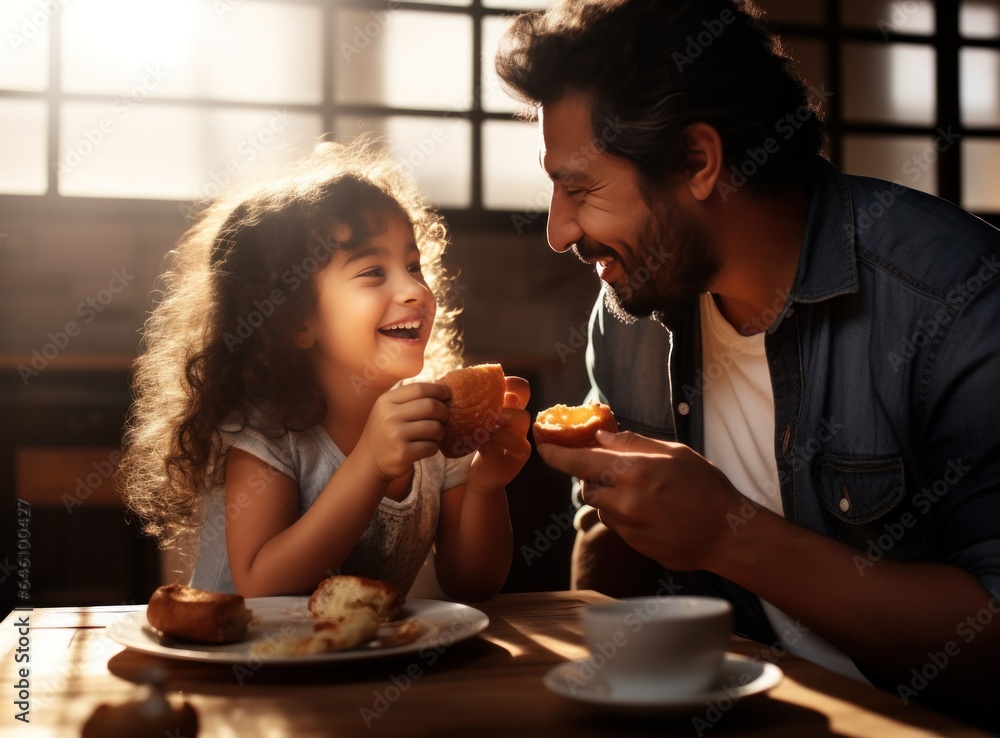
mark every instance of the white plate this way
{"type": "Point", "coordinates": [740, 677]}
{"type": "Point", "coordinates": [444, 623]}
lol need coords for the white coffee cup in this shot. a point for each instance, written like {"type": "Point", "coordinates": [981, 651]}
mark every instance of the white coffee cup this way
{"type": "Point", "coordinates": [652, 648]}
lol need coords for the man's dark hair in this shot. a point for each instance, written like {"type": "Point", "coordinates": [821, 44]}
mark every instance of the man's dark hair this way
{"type": "Point", "coordinates": [655, 67]}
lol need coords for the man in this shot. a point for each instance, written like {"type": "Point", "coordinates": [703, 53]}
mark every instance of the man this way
{"type": "Point", "coordinates": [832, 364]}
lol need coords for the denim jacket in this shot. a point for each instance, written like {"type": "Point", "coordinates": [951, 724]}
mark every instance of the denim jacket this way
{"type": "Point", "coordinates": [885, 366]}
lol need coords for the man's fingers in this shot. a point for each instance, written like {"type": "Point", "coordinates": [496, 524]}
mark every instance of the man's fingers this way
{"type": "Point", "coordinates": [629, 441]}
{"type": "Point", "coordinates": [600, 466]}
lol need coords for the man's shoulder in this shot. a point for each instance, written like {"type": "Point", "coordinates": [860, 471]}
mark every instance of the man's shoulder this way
{"type": "Point", "coordinates": [918, 238]}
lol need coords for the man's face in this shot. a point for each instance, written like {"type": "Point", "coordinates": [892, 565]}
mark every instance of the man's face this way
{"type": "Point", "coordinates": [653, 255]}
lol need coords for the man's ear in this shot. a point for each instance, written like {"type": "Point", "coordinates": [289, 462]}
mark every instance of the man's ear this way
{"type": "Point", "coordinates": [704, 162]}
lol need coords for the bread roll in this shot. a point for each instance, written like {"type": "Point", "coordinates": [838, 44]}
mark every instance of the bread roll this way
{"type": "Point", "coordinates": [476, 402]}
{"type": "Point", "coordinates": [196, 615]}
{"type": "Point", "coordinates": [337, 595]}
{"type": "Point", "coordinates": [573, 426]}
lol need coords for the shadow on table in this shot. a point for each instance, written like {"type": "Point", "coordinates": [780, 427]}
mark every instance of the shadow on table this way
{"type": "Point", "coordinates": [753, 717]}
{"type": "Point", "coordinates": [208, 678]}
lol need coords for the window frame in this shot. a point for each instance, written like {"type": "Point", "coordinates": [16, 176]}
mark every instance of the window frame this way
{"type": "Point", "coordinates": [946, 41]}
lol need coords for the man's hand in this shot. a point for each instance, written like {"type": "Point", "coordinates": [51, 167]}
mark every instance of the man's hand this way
{"type": "Point", "coordinates": [666, 501]}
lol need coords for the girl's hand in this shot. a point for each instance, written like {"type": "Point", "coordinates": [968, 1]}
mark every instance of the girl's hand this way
{"type": "Point", "coordinates": [406, 424]}
{"type": "Point", "coordinates": [499, 460]}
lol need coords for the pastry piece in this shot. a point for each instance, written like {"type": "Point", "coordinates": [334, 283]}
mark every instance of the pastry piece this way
{"type": "Point", "coordinates": [337, 595]}
{"type": "Point", "coordinates": [404, 633]}
{"type": "Point", "coordinates": [356, 626]}
{"type": "Point", "coordinates": [476, 402]}
{"type": "Point", "coordinates": [197, 615]}
{"type": "Point", "coordinates": [574, 426]}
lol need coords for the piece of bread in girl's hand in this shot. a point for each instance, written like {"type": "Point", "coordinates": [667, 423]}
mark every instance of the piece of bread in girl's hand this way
{"type": "Point", "coordinates": [193, 614]}
{"type": "Point", "coordinates": [476, 402]}
{"type": "Point", "coordinates": [337, 595]}
{"type": "Point", "coordinates": [573, 426]}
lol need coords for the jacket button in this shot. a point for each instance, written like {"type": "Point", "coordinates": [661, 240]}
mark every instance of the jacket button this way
{"type": "Point", "coordinates": [845, 504]}
{"type": "Point", "coordinates": [683, 408]}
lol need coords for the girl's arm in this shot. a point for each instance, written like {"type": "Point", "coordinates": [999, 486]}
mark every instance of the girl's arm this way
{"type": "Point", "coordinates": [474, 540]}
{"type": "Point", "coordinates": [272, 550]}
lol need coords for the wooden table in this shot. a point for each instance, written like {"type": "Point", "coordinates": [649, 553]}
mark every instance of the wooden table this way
{"type": "Point", "coordinates": [488, 686]}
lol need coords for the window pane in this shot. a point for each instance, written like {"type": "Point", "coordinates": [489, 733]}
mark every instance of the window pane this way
{"type": "Point", "coordinates": [492, 94]}
{"type": "Point", "coordinates": [980, 78]}
{"type": "Point", "coordinates": [909, 160]}
{"type": "Point", "coordinates": [891, 83]}
{"type": "Point", "coordinates": [512, 177]}
{"type": "Point", "coordinates": [793, 11]}
{"type": "Point", "coordinates": [437, 152]}
{"type": "Point", "coordinates": [980, 19]}
{"type": "Point", "coordinates": [264, 52]}
{"type": "Point", "coordinates": [980, 184]}
{"type": "Point", "coordinates": [23, 147]}
{"type": "Point", "coordinates": [169, 152]}
{"type": "Point", "coordinates": [258, 51]}
{"type": "Point", "coordinates": [896, 16]}
{"type": "Point", "coordinates": [406, 59]}
{"type": "Point", "coordinates": [24, 54]}
{"type": "Point", "coordinates": [111, 46]}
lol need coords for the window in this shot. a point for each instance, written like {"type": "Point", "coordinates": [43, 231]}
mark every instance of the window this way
{"type": "Point", "coordinates": [168, 101]}
{"type": "Point", "coordinates": [915, 89]}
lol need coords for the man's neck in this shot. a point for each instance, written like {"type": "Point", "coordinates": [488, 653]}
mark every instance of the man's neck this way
{"type": "Point", "coordinates": [759, 243]}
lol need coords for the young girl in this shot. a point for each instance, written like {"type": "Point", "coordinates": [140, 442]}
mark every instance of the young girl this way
{"type": "Point", "coordinates": [270, 417]}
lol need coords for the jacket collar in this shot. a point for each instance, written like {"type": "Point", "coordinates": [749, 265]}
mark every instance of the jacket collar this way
{"type": "Point", "coordinates": [828, 262]}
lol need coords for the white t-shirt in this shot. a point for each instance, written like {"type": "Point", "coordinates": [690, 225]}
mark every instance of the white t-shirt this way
{"type": "Point", "coordinates": [739, 439]}
{"type": "Point", "coordinates": [399, 536]}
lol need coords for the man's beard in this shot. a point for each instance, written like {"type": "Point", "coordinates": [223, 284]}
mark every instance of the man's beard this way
{"type": "Point", "coordinates": [670, 267]}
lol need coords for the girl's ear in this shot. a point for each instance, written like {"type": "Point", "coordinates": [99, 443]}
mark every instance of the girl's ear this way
{"type": "Point", "coordinates": [305, 338]}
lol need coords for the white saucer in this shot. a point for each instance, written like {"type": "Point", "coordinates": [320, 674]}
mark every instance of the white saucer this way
{"type": "Point", "coordinates": [740, 678]}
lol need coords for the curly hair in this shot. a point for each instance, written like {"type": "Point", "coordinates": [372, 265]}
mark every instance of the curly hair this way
{"type": "Point", "coordinates": [238, 285]}
{"type": "Point", "coordinates": [654, 67]}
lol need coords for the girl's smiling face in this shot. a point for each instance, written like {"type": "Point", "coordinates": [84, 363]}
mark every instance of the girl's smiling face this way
{"type": "Point", "coordinates": [374, 310]}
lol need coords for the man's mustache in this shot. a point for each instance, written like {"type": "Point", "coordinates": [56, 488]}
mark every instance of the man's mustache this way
{"type": "Point", "coordinates": [589, 251]}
